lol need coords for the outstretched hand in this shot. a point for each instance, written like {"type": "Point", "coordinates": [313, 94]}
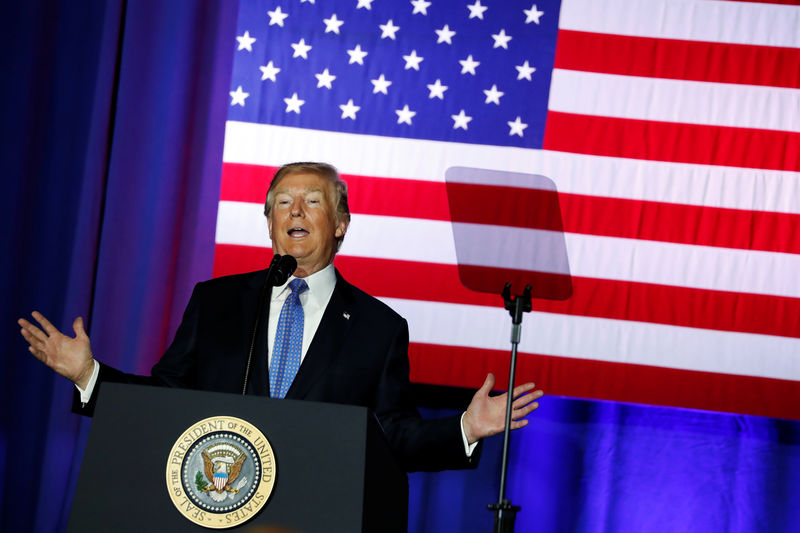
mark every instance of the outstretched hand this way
{"type": "Point", "coordinates": [486, 415]}
{"type": "Point", "coordinates": [69, 356]}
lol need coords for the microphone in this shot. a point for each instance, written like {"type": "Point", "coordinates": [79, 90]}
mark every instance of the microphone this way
{"type": "Point", "coordinates": [281, 267]}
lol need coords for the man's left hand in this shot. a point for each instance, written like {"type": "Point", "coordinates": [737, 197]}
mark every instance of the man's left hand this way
{"type": "Point", "coordinates": [486, 415]}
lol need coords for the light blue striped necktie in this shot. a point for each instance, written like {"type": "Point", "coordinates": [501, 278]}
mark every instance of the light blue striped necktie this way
{"type": "Point", "coordinates": [288, 342]}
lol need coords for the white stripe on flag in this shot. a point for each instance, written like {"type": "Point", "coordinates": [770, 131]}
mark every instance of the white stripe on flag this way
{"type": "Point", "coordinates": [408, 239]}
{"type": "Point", "coordinates": [692, 20]}
{"type": "Point", "coordinates": [369, 155]}
{"type": "Point", "coordinates": [241, 223]}
{"type": "Point", "coordinates": [690, 102]}
{"type": "Point", "coordinates": [603, 339]}
{"type": "Point", "coordinates": [520, 248]}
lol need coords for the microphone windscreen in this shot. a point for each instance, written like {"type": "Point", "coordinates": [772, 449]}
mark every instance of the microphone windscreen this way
{"type": "Point", "coordinates": [285, 268]}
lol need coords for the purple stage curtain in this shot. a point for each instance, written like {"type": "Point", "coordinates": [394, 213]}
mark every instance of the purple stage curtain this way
{"type": "Point", "coordinates": [113, 121]}
{"type": "Point", "coordinates": [112, 125]}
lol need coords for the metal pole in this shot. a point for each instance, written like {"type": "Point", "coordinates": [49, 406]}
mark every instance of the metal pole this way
{"type": "Point", "coordinates": [505, 514]}
{"type": "Point", "coordinates": [515, 338]}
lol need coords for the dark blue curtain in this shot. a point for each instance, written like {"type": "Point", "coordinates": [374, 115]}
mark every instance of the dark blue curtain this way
{"type": "Point", "coordinates": [592, 467]}
{"type": "Point", "coordinates": [113, 118]}
{"type": "Point", "coordinates": [112, 127]}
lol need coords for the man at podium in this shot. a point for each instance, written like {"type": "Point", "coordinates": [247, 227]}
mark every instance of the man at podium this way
{"type": "Point", "coordinates": [325, 339]}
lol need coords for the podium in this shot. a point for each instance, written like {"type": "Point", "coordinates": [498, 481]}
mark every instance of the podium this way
{"type": "Point", "coordinates": [331, 468]}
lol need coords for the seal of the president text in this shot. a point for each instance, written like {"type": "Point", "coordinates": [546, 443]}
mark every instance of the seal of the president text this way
{"type": "Point", "coordinates": [220, 472]}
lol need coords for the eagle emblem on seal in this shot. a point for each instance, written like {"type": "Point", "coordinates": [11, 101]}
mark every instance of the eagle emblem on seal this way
{"type": "Point", "coordinates": [222, 464]}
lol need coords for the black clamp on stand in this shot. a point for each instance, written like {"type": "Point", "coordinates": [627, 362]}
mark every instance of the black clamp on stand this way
{"type": "Point", "coordinates": [504, 513]}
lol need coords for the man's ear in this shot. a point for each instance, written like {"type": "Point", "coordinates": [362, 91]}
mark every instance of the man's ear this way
{"type": "Point", "coordinates": [341, 228]}
{"type": "Point", "coordinates": [269, 226]}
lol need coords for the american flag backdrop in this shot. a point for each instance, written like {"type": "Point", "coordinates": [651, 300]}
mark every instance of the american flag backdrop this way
{"type": "Point", "coordinates": [671, 129]}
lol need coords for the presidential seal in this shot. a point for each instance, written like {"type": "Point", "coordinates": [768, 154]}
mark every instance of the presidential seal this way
{"type": "Point", "coordinates": [220, 472]}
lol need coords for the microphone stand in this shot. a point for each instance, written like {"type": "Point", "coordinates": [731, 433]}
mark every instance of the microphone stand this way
{"type": "Point", "coordinates": [504, 513]}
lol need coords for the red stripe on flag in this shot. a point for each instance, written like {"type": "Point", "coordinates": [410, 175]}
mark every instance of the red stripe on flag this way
{"type": "Point", "coordinates": [245, 183]}
{"type": "Point", "coordinates": [566, 376]}
{"type": "Point", "coordinates": [504, 206]}
{"type": "Point", "coordinates": [679, 223]}
{"type": "Point", "coordinates": [235, 259]}
{"type": "Point", "coordinates": [669, 141]}
{"type": "Point", "coordinates": [590, 215]}
{"type": "Point", "coordinates": [642, 302]}
{"type": "Point", "coordinates": [375, 196]}
{"type": "Point", "coordinates": [784, 2]}
{"type": "Point", "coordinates": [677, 59]}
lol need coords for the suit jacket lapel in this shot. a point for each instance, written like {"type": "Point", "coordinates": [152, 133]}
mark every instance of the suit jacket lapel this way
{"type": "Point", "coordinates": [327, 342]}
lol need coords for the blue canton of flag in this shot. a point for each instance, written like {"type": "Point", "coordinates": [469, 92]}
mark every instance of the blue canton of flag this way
{"type": "Point", "coordinates": [440, 70]}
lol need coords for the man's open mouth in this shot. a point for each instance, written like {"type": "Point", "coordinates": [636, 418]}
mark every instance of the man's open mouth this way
{"type": "Point", "coordinates": [297, 232]}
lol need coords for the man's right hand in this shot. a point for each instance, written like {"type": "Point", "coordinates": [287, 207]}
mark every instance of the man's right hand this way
{"type": "Point", "coordinates": [70, 357]}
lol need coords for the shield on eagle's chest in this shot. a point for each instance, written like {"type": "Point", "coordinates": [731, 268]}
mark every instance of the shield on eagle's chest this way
{"type": "Point", "coordinates": [220, 480]}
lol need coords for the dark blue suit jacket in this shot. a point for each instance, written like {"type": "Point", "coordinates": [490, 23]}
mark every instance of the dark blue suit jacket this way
{"type": "Point", "coordinates": [359, 356]}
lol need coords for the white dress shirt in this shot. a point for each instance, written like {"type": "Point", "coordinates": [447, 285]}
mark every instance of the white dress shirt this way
{"type": "Point", "coordinates": [314, 302]}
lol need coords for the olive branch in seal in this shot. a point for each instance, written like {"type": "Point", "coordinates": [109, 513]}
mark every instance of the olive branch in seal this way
{"type": "Point", "coordinates": [201, 485]}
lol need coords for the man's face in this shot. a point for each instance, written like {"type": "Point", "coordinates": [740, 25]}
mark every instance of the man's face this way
{"type": "Point", "coordinates": [303, 223]}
